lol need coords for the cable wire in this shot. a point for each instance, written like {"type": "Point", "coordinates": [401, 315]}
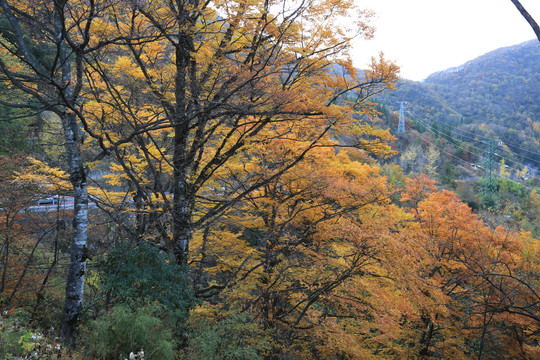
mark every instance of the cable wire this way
{"type": "Point", "coordinates": [460, 159]}
{"type": "Point", "coordinates": [473, 137]}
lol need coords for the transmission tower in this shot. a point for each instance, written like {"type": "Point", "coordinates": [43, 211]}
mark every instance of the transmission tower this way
{"type": "Point", "coordinates": [489, 186]}
{"type": "Point", "coordinates": [401, 124]}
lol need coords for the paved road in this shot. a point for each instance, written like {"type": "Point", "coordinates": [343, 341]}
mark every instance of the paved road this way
{"type": "Point", "coordinates": [54, 204]}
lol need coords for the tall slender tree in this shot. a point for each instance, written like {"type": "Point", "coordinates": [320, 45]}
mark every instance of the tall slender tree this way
{"type": "Point", "coordinates": [43, 60]}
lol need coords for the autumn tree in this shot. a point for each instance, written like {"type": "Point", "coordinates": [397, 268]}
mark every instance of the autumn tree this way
{"type": "Point", "coordinates": [299, 251]}
{"type": "Point", "coordinates": [43, 46]}
{"type": "Point", "coordinates": [417, 189]}
{"type": "Point", "coordinates": [215, 75]}
{"type": "Point", "coordinates": [28, 229]}
{"type": "Point", "coordinates": [478, 276]}
{"type": "Point", "coordinates": [16, 234]}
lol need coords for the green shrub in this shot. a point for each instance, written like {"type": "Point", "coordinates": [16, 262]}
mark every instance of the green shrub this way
{"type": "Point", "coordinates": [18, 340]}
{"type": "Point", "coordinates": [124, 330]}
{"type": "Point", "coordinates": [142, 274]}
{"type": "Point", "coordinates": [235, 337]}
{"type": "Point", "coordinates": [10, 336]}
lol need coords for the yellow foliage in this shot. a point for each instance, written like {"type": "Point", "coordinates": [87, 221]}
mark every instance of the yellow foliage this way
{"type": "Point", "coordinates": [47, 178]}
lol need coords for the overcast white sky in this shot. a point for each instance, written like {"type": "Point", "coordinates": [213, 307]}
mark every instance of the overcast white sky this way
{"type": "Point", "coordinates": [425, 36]}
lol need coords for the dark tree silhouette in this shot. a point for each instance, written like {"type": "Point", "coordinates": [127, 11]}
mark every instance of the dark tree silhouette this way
{"type": "Point", "coordinates": [528, 17]}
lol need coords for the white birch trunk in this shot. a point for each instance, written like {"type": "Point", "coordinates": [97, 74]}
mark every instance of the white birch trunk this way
{"type": "Point", "coordinates": [73, 303]}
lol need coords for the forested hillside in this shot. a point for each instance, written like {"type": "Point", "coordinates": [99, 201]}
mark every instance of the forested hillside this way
{"type": "Point", "coordinates": [501, 87]}
{"type": "Point", "coordinates": [495, 96]}
{"type": "Point", "coordinates": [215, 180]}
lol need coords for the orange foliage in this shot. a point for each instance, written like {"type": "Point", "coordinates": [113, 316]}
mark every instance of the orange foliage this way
{"type": "Point", "coordinates": [24, 232]}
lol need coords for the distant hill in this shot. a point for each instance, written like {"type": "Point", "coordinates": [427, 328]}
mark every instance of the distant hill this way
{"type": "Point", "coordinates": [502, 86]}
{"type": "Point", "coordinates": [495, 96]}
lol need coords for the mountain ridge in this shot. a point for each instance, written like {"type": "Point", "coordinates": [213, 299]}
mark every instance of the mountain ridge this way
{"type": "Point", "coordinates": [491, 54]}
{"type": "Point", "coordinates": [494, 96]}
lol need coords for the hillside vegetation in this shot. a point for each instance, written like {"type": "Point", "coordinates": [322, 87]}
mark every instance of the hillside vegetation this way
{"type": "Point", "coordinates": [495, 96]}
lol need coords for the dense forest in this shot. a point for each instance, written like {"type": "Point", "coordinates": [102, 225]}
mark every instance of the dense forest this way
{"type": "Point", "coordinates": [215, 180]}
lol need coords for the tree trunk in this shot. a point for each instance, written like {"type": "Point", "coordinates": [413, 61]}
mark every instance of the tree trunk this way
{"type": "Point", "coordinates": [182, 203]}
{"type": "Point", "coordinates": [77, 269]}
{"type": "Point", "coordinates": [58, 75]}
{"type": "Point", "coordinates": [183, 197]}
{"type": "Point", "coordinates": [427, 336]}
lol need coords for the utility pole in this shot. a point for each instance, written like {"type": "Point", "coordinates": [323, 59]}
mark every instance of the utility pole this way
{"type": "Point", "coordinates": [401, 125]}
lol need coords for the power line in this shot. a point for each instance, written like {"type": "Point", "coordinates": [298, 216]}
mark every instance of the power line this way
{"type": "Point", "coordinates": [463, 161]}
{"type": "Point", "coordinates": [475, 137]}
{"type": "Point", "coordinates": [480, 151]}
{"type": "Point", "coordinates": [470, 137]}
{"type": "Point", "coordinates": [489, 139]}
